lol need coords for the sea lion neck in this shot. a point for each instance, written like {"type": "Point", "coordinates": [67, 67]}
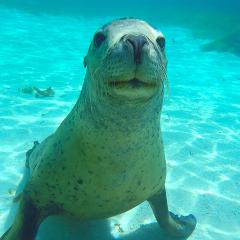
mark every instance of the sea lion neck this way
{"type": "Point", "coordinates": [102, 112]}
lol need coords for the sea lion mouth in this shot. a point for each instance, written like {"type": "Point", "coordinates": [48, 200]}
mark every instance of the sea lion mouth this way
{"type": "Point", "coordinates": [133, 89]}
{"type": "Point", "coordinates": [133, 83]}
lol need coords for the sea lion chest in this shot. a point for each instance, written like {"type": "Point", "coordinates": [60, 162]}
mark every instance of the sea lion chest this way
{"type": "Point", "coordinates": [99, 171]}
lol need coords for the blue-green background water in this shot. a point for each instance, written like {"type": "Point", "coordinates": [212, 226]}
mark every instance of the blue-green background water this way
{"type": "Point", "coordinates": [43, 43]}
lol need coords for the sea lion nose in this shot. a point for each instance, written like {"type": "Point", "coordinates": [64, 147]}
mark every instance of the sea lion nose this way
{"type": "Point", "coordinates": [137, 42]}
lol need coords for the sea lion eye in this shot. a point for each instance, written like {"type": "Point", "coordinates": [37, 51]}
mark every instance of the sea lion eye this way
{"type": "Point", "coordinates": [98, 39]}
{"type": "Point", "coordinates": [161, 42]}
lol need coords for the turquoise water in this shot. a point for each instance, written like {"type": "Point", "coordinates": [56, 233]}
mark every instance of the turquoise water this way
{"type": "Point", "coordinates": [200, 122]}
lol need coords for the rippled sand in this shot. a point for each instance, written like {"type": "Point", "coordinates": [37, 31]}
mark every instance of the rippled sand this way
{"type": "Point", "coordinates": [200, 124]}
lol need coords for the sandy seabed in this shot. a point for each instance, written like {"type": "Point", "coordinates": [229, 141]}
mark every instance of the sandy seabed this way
{"type": "Point", "coordinates": [200, 124]}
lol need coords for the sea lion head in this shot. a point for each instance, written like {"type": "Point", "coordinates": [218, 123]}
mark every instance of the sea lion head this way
{"type": "Point", "coordinates": [126, 62]}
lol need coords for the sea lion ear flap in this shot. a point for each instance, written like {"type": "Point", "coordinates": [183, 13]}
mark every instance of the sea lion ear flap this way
{"type": "Point", "coordinates": [85, 62]}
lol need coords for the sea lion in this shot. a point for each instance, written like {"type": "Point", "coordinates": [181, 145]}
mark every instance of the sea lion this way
{"type": "Point", "coordinates": [107, 155]}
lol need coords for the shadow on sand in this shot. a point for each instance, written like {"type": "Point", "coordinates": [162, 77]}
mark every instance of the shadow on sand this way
{"type": "Point", "coordinates": [62, 228]}
{"type": "Point", "coordinates": [66, 229]}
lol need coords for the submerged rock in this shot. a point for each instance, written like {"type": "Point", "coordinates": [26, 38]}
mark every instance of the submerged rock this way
{"type": "Point", "coordinates": [48, 92]}
{"type": "Point", "coordinates": [229, 43]}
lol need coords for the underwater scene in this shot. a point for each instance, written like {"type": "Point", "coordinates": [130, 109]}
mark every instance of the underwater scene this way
{"type": "Point", "coordinates": [116, 86]}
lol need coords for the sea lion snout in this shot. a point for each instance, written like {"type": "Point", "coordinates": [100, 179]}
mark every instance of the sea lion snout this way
{"type": "Point", "coordinates": [136, 42]}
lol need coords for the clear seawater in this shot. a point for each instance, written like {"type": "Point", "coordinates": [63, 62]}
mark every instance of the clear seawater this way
{"type": "Point", "coordinates": [200, 123]}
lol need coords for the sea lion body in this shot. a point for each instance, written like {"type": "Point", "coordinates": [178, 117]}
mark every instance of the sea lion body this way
{"type": "Point", "coordinates": [102, 173]}
{"type": "Point", "coordinates": [107, 156]}
{"type": "Point", "coordinates": [105, 161]}
{"type": "Point", "coordinates": [103, 176]}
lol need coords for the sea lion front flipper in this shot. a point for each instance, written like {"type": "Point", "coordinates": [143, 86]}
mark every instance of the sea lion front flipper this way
{"type": "Point", "coordinates": [26, 222]}
{"type": "Point", "coordinates": [4, 236]}
{"type": "Point", "coordinates": [178, 226]}
{"type": "Point", "coordinates": [29, 152]}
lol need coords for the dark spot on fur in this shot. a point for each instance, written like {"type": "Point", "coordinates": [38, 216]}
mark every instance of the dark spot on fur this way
{"type": "Point", "coordinates": [50, 186]}
{"type": "Point", "coordinates": [155, 186]}
{"type": "Point", "coordinates": [139, 183]}
{"type": "Point", "coordinates": [75, 188]}
{"type": "Point", "coordinates": [63, 168]}
{"type": "Point", "coordinates": [80, 181]}
{"type": "Point", "coordinates": [90, 172]}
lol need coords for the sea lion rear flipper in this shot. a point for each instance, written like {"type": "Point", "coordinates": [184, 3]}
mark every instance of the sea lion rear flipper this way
{"type": "Point", "coordinates": [29, 152]}
{"type": "Point", "coordinates": [178, 226]}
{"type": "Point", "coordinates": [26, 222]}
{"type": "Point", "coordinates": [5, 234]}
